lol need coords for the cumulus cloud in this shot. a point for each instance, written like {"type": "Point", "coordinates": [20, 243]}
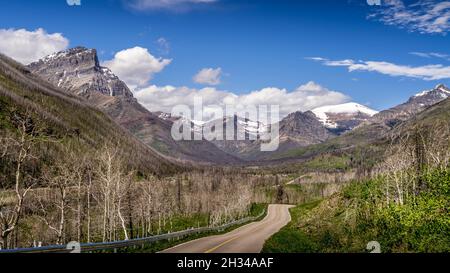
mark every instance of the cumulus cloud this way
{"type": "Point", "coordinates": [165, 4]}
{"type": "Point", "coordinates": [136, 66]}
{"type": "Point", "coordinates": [303, 98]}
{"type": "Point", "coordinates": [209, 76]}
{"type": "Point", "coordinates": [424, 16]}
{"type": "Point", "coordinates": [426, 72]}
{"type": "Point", "coordinates": [29, 46]}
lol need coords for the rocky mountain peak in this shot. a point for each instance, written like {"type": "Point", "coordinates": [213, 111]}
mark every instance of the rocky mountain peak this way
{"type": "Point", "coordinates": [78, 70]}
{"type": "Point", "coordinates": [414, 105]}
{"type": "Point", "coordinates": [432, 96]}
{"type": "Point", "coordinates": [80, 54]}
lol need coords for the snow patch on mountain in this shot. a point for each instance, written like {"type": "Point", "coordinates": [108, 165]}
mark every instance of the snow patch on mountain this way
{"type": "Point", "coordinates": [445, 92]}
{"type": "Point", "coordinates": [348, 109]}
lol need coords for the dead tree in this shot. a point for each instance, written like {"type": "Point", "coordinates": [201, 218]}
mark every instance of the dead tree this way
{"type": "Point", "coordinates": [20, 149]}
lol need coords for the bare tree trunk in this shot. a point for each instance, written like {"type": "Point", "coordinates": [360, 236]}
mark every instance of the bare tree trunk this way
{"type": "Point", "coordinates": [9, 222]}
{"type": "Point", "coordinates": [62, 217]}
{"type": "Point", "coordinates": [122, 220]}
{"type": "Point", "coordinates": [88, 231]}
{"type": "Point", "coordinates": [79, 201]}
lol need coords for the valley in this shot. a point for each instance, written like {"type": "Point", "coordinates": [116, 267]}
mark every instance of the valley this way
{"type": "Point", "coordinates": [83, 160]}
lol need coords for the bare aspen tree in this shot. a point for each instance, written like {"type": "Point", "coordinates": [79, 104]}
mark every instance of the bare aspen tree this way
{"type": "Point", "coordinates": [113, 185]}
{"type": "Point", "coordinates": [107, 175]}
{"type": "Point", "coordinates": [398, 169]}
{"type": "Point", "coordinates": [89, 185]}
{"type": "Point", "coordinates": [122, 187]}
{"type": "Point", "coordinates": [63, 177]}
{"type": "Point", "coordinates": [20, 149]}
{"type": "Point", "coordinates": [437, 149]}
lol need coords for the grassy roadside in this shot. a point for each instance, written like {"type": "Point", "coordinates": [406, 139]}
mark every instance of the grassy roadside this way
{"type": "Point", "coordinates": [358, 214]}
{"type": "Point", "coordinates": [291, 238]}
{"type": "Point", "coordinates": [255, 210]}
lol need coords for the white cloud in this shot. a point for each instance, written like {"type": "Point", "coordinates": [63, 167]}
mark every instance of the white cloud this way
{"type": "Point", "coordinates": [136, 66]}
{"type": "Point", "coordinates": [29, 46]}
{"type": "Point", "coordinates": [425, 16]}
{"type": "Point", "coordinates": [426, 72]}
{"type": "Point", "coordinates": [165, 4]}
{"type": "Point", "coordinates": [208, 76]}
{"type": "Point", "coordinates": [431, 55]}
{"type": "Point", "coordinates": [303, 98]}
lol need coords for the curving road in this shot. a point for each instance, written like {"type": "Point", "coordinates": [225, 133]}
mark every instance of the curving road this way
{"type": "Point", "coordinates": [246, 239]}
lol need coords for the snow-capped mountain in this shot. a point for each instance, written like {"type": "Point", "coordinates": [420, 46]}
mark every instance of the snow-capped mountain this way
{"type": "Point", "coordinates": [414, 105]}
{"type": "Point", "coordinates": [244, 127]}
{"type": "Point", "coordinates": [441, 90]}
{"type": "Point", "coordinates": [246, 138]}
{"type": "Point", "coordinates": [343, 117]}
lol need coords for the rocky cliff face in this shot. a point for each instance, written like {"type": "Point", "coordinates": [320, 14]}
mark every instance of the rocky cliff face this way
{"type": "Point", "coordinates": [78, 70]}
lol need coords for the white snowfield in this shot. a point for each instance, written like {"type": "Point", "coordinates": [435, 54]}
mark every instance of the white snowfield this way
{"type": "Point", "coordinates": [350, 108]}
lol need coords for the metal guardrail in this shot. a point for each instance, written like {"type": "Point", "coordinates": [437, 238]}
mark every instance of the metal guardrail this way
{"type": "Point", "coordinates": [92, 247]}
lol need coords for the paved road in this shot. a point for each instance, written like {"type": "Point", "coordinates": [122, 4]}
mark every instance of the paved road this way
{"type": "Point", "coordinates": [246, 239]}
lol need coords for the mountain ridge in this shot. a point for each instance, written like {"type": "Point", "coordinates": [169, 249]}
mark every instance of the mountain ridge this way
{"type": "Point", "coordinates": [66, 115]}
{"type": "Point", "coordinates": [415, 104]}
{"type": "Point", "coordinates": [78, 71]}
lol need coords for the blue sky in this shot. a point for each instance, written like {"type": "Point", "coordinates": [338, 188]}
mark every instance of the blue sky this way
{"type": "Point", "coordinates": [260, 44]}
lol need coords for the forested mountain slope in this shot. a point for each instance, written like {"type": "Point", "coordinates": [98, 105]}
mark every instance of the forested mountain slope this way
{"type": "Point", "coordinates": [64, 118]}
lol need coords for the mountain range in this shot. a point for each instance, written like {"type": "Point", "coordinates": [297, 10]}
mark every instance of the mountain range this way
{"type": "Point", "coordinates": [78, 72]}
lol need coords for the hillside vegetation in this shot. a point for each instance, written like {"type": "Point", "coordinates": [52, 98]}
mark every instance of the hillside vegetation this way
{"type": "Point", "coordinates": [402, 203]}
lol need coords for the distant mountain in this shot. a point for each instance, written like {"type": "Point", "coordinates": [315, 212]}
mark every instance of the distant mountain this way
{"type": "Point", "coordinates": [244, 141]}
{"type": "Point", "coordinates": [414, 105]}
{"type": "Point", "coordinates": [296, 130]}
{"type": "Point", "coordinates": [435, 120]}
{"type": "Point", "coordinates": [245, 128]}
{"type": "Point", "coordinates": [79, 72]}
{"type": "Point", "coordinates": [303, 129]}
{"type": "Point", "coordinates": [425, 107]}
{"type": "Point", "coordinates": [246, 138]}
{"type": "Point", "coordinates": [299, 129]}
{"type": "Point", "coordinates": [343, 117]}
